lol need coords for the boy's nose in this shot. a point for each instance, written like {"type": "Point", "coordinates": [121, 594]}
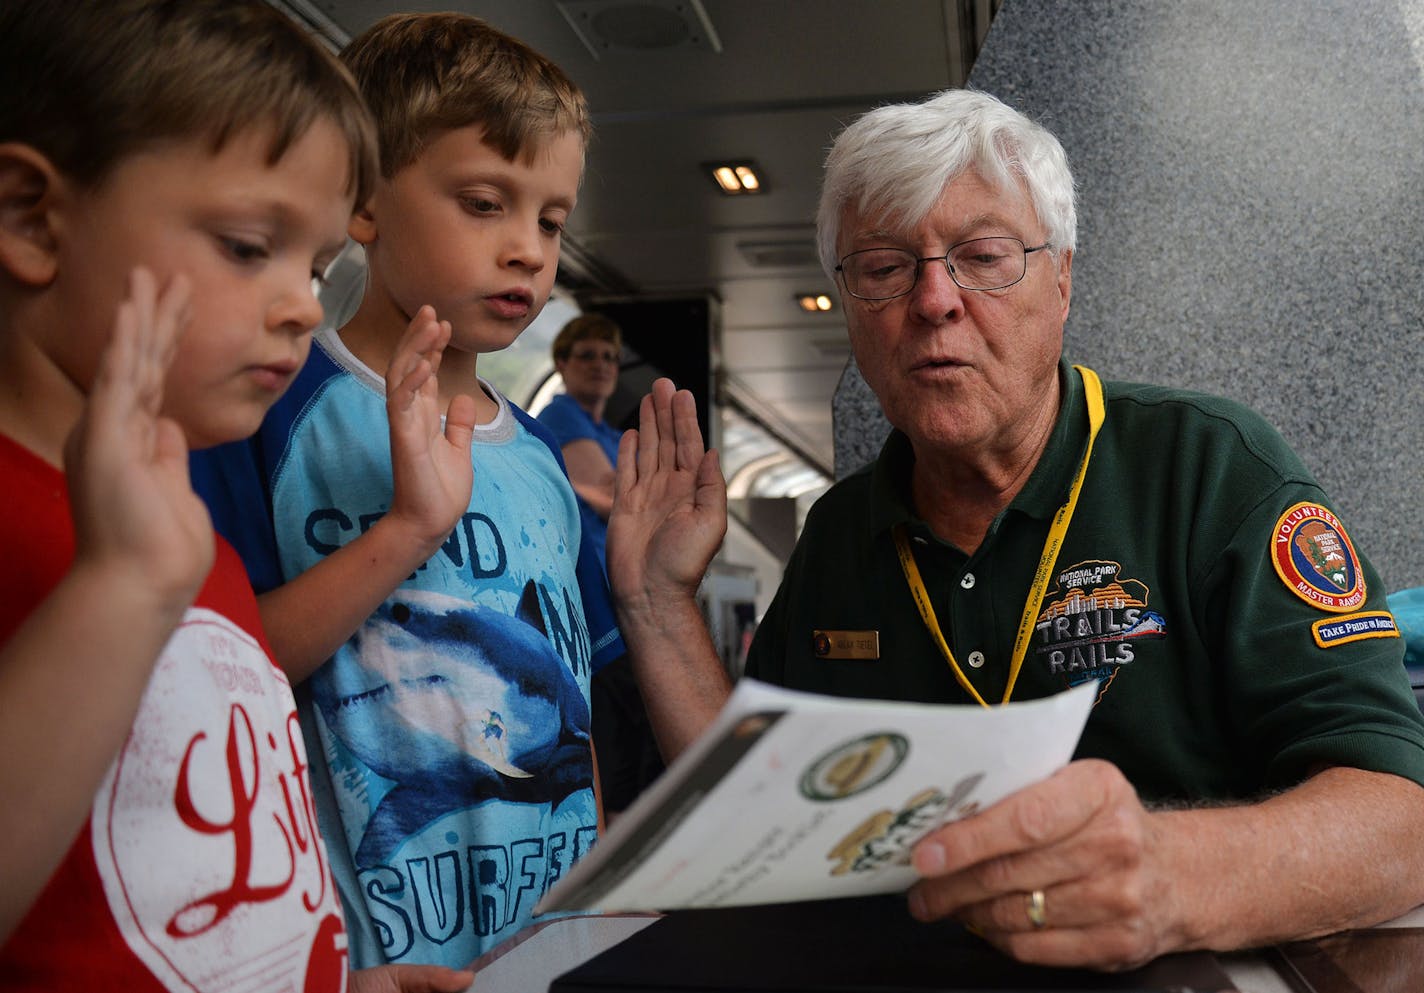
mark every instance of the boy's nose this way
{"type": "Point", "coordinates": [298, 309]}
{"type": "Point", "coordinates": [528, 247]}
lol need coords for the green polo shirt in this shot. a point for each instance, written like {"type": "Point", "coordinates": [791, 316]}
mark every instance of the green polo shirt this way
{"type": "Point", "coordinates": [1238, 638]}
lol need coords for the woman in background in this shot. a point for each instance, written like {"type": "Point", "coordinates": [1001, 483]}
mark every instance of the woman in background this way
{"type": "Point", "coordinates": [586, 353]}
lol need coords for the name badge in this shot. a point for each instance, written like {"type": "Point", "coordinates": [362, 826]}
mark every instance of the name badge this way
{"type": "Point", "coordinates": [846, 644]}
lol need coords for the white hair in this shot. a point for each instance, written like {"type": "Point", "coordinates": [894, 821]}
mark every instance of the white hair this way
{"type": "Point", "coordinates": [895, 162]}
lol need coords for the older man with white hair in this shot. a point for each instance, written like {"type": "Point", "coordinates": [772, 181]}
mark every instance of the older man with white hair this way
{"type": "Point", "coordinates": [1252, 769]}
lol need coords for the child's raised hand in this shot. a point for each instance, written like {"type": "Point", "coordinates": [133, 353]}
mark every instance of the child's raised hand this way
{"type": "Point", "coordinates": [431, 467]}
{"type": "Point", "coordinates": [130, 495]}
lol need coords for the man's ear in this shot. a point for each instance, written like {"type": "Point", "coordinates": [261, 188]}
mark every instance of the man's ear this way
{"type": "Point", "coordinates": [1065, 279]}
{"type": "Point", "coordinates": [362, 227]}
{"type": "Point", "coordinates": [29, 188]}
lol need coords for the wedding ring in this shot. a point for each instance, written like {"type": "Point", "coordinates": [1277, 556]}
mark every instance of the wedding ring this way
{"type": "Point", "coordinates": [1035, 910]}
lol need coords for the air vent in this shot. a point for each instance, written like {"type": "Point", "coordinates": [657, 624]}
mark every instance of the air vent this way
{"type": "Point", "coordinates": [627, 27]}
{"type": "Point", "coordinates": [780, 254]}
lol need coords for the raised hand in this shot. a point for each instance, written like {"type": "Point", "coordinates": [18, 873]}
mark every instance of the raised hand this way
{"type": "Point", "coordinates": [669, 504]}
{"type": "Point", "coordinates": [431, 466]}
{"type": "Point", "coordinates": [143, 547]}
{"type": "Point", "coordinates": [133, 505]}
{"type": "Point", "coordinates": [669, 517]}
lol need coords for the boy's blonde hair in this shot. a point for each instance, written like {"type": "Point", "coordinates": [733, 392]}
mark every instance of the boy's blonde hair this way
{"type": "Point", "coordinates": [90, 83]}
{"type": "Point", "coordinates": [586, 327]}
{"type": "Point", "coordinates": [424, 74]}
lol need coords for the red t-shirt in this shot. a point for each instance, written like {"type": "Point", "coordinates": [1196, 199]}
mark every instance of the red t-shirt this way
{"type": "Point", "coordinates": [200, 867]}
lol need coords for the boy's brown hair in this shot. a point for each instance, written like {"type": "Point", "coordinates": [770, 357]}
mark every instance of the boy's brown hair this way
{"type": "Point", "coordinates": [586, 327]}
{"type": "Point", "coordinates": [90, 83]}
{"type": "Point", "coordinates": [424, 74]}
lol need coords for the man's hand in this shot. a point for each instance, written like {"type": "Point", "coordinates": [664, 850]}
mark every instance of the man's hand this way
{"type": "Point", "coordinates": [127, 466]}
{"type": "Point", "coordinates": [431, 467]}
{"type": "Point", "coordinates": [669, 504]}
{"type": "Point", "coordinates": [1081, 837]}
{"type": "Point", "coordinates": [669, 517]}
{"type": "Point", "coordinates": [410, 979]}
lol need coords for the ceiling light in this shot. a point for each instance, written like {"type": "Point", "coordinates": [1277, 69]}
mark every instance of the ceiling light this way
{"type": "Point", "coordinates": [815, 303]}
{"type": "Point", "coordinates": [736, 178]}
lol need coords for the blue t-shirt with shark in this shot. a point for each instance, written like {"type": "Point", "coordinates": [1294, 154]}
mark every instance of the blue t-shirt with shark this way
{"type": "Point", "coordinates": [449, 737]}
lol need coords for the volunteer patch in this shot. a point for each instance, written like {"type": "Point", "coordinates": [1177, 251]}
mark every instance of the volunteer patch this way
{"type": "Point", "coordinates": [1356, 627]}
{"type": "Point", "coordinates": [1316, 559]}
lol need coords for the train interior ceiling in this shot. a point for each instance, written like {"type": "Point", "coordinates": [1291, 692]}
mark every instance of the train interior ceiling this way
{"type": "Point", "coordinates": [709, 286]}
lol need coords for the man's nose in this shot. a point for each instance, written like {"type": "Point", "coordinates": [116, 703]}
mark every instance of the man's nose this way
{"type": "Point", "coordinates": [936, 296]}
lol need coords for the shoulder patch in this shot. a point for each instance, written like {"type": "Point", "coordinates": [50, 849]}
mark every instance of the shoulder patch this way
{"type": "Point", "coordinates": [1354, 627]}
{"type": "Point", "coordinates": [1316, 559]}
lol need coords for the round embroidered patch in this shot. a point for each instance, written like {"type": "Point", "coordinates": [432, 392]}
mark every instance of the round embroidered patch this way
{"type": "Point", "coordinates": [1316, 560]}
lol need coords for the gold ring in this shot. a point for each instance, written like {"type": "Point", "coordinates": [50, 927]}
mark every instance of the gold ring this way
{"type": "Point", "coordinates": [1036, 903]}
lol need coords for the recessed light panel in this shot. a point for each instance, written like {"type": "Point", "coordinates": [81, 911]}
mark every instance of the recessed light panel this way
{"type": "Point", "coordinates": [626, 27]}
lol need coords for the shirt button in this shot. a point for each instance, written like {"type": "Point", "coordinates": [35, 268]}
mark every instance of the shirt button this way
{"type": "Point", "coordinates": [976, 660]}
{"type": "Point", "coordinates": [968, 581]}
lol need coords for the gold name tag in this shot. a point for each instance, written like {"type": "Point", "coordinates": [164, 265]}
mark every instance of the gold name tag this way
{"type": "Point", "coordinates": [846, 644]}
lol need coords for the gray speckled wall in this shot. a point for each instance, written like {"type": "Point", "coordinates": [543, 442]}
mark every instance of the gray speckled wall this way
{"type": "Point", "coordinates": [1251, 223]}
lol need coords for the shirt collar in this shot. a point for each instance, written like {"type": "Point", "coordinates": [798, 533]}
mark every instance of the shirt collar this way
{"type": "Point", "coordinates": [1042, 495]}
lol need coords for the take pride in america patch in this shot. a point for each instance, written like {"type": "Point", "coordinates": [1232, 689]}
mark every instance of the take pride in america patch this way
{"type": "Point", "coordinates": [1316, 559]}
{"type": "Point", "coordinates": [1354, 627]}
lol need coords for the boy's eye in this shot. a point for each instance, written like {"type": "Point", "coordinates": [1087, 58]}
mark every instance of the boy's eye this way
{"type": "Point", "coordinates": [479, 205]}
{"type": "Point", "coordinates": [551, 226]}
{"type": "Point", "coordinates": [242, 250]}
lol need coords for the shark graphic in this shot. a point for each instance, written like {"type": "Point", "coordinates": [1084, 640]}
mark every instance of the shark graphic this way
{"type": "Point", "coordinates": [457, 704]}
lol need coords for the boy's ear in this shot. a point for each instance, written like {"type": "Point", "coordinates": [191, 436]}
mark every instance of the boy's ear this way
{"type": "Point", "coordinates": [29, 187]}
{"type": "Point", "coordinates": [362, 227]}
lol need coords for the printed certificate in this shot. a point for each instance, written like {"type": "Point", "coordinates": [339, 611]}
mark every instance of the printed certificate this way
{"type": "Point", "coordinates": [797, 796]}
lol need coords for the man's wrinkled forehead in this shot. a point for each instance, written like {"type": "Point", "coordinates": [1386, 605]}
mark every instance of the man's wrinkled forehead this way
{"type": "Point", "coordinates": [959, 212]}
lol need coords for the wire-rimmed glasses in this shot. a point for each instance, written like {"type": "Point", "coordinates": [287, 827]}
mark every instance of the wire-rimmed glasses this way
{"type": "Point", "coordinates": [977, 264]}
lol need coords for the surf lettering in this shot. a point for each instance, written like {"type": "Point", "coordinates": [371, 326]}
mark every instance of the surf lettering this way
{"type": "Point", "coordinates": [483, 888]}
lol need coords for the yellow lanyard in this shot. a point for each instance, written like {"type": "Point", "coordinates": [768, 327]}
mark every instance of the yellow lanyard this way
{"type": "Point", "coordinates": [1093, 388]}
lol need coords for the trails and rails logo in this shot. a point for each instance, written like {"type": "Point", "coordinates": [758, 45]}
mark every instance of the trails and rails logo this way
{"type": "Point", "coordinates": [1091, 622]}
{"type": "Point", "coordinates": [1316, 559]}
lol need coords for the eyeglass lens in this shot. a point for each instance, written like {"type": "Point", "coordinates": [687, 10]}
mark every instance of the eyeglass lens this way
{"type": "Point", "coordinates": [594, 355]}
{"type": "Point", "coordinates": [981, 264]}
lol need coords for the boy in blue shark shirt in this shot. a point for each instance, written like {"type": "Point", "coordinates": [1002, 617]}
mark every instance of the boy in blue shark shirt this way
{"type": "Point", "coordinates": [449, 621]}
